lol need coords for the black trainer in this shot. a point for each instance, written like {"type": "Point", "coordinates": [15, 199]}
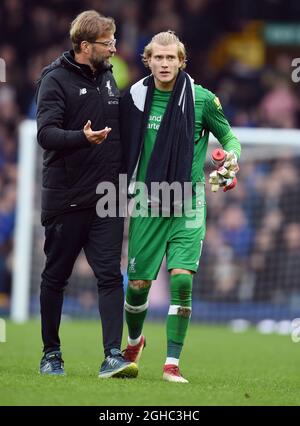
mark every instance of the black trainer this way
{"type": "Point", "coordinates": [115, 365]}
{"type": "Point", "coordinates": [52, 364]}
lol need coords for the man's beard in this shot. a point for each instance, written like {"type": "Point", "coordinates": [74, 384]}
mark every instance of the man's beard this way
{"type": "Point", "coordinates": [100, 64]}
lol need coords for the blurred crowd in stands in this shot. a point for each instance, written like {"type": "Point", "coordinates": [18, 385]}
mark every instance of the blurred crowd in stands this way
{"type": "Point", "coordinates": [226, 53]}
{"type": "Point", "coordinates": [252, 247]}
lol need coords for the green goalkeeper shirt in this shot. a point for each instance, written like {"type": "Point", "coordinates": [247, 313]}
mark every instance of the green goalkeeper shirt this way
{"type": "Point", "coordinates": [209, 117]}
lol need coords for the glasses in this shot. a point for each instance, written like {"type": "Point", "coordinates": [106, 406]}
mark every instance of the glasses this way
{"type": "Point", "coordinates": [108, 43]}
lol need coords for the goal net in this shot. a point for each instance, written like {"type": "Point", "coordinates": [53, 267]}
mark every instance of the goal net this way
{"type": "Point", "coordinates": [250, 264]}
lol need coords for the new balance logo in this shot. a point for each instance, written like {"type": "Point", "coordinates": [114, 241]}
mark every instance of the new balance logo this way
{"type": "Point", "coordinates": [82, 91]}
{"type": "Point", "coordinates": [113, 362]}
{"type": "Point", "coordinates": [47, 367]}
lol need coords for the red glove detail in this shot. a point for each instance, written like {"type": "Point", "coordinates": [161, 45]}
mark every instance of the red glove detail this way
{"type": "Point", "coordinates": [231, 185]}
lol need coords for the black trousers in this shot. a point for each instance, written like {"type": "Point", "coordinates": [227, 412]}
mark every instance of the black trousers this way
{"type": "Point", "coordinates": [101, 240]}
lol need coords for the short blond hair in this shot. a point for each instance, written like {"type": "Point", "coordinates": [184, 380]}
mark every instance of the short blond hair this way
{"type": "Point", "coordinates": [88, 26]}
{"type": "Point", "coordinates": [165, 39]}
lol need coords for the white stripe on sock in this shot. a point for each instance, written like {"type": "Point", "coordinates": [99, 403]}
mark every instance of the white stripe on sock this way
{"type": "Point", "coordinates": [174, 361]}
{"type": "Point", "coordinates": [134, 342]}
{"type": "Point", "coordinates": [136, 309]}
{"type": "Point", "coordinates": [173, 309]}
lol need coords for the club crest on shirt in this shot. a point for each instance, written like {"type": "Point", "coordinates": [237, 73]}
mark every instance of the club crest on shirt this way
{"type": "Point", "coordinates": [132, 264]}
{"type": "Point", "coordinates": [109, 89]}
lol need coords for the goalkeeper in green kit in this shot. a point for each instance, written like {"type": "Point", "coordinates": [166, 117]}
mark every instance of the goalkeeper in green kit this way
{"type": "Point", "coordinates": [165, 120]}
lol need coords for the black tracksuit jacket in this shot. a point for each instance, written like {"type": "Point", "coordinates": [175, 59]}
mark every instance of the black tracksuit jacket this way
{"type": "Point", "coordinates": [69, 95]}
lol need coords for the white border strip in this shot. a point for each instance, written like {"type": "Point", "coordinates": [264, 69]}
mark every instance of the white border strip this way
{"type": "Point", "coordinates": [265, 136]}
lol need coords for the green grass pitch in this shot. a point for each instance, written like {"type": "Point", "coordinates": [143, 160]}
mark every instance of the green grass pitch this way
{"type": "Point", "coordinates": [223, 369]}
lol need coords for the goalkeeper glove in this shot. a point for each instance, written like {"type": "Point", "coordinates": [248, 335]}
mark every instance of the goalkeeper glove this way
{"type": "Point", "coordinates": [225, 174]}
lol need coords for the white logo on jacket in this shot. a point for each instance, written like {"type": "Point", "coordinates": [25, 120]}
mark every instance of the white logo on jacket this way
{"type": "Point", "coordinates": [82, 91]}
{"type": "Point", "coordinates": [109, 89]}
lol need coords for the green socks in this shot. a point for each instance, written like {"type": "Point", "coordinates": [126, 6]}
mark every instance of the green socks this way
{"type": "Point", "coordinates": [136, 306]}
{"type": "Point", "coordinates": [179, 313]}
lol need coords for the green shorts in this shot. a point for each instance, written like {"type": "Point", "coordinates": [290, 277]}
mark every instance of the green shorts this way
{"type": "Point", "coordinates": [179, 238]}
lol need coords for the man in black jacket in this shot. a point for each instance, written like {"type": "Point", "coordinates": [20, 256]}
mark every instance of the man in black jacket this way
{"type": "Point", "coordinates": [76, 93]}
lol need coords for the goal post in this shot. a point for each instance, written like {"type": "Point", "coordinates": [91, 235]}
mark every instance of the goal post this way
{"type": "Point", "coordinates": [23, 234]}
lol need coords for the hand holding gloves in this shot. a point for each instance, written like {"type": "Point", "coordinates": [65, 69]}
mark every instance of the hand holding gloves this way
{"type": "Point", "coordinates": [226, 169]}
